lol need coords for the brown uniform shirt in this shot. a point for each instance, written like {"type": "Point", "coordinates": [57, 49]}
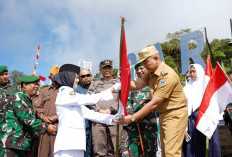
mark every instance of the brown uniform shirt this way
{"type": "Point", "coordinates": [165, 83]}
{"type": "Point", "coordinates": [46, 102]}
{"type": "Point", "coordinates": [97, 87]}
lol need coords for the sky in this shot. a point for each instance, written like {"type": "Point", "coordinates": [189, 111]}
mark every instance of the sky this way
{"type": "Point", "coordinates": [68, 31]}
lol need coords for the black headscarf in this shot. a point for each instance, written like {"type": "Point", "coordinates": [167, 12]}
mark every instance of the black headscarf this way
{"type": "Point", "coordinates": [65, 78]}
{"type": "Point", "coordinates": [70, 67]}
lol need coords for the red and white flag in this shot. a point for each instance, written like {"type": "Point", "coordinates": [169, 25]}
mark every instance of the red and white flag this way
{"type": "Point", "coordinates": [217, 95]}
{"type": "Point", "coordinates": [42, 80]}
{"type": "Point", "coordinates": [125, 75]}
{"type": "Point", "coordinates": [37, 57]}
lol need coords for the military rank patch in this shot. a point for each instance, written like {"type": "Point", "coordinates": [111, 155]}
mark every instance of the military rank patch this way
{"type": "Point", "coordinates": [162, 82]}
{"type": "Point", "coordinates": [72, 93]}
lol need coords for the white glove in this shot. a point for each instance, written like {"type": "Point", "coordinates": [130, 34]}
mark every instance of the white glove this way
{"type": "Point", "coordinates": [117, 86]}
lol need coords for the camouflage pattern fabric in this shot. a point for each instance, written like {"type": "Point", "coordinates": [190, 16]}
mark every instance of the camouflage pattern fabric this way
{"type": "Point", "coordinates": [131, 145]}
{"type": "Point", "coordinates": [13, 153]}
{"type": "Point", "coordinates": [18, 123]}
{"type": "Point", "coordinates": [10, 88]}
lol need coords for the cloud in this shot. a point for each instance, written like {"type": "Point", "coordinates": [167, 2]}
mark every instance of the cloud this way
{"type": "Point", "coordinates": [71, 30]}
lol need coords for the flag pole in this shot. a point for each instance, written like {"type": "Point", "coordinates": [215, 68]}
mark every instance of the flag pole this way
{"type": "Point", "coordinates": [120, 63]}
{"type": "Point", "coordinates": [224, 72]}
{"type": "Point", "coordinates": [208, 46]}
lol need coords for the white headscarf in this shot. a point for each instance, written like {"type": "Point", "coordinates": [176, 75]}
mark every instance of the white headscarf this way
{"type": "Point", "coordinates": [194, 89]}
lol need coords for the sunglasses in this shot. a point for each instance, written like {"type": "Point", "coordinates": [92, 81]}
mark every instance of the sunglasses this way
{"type": "Point", "coordinates": [87, 75]}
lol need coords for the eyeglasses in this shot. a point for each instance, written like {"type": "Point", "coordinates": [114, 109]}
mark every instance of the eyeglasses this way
{"type": "Point", "coordinates": [87, 75]}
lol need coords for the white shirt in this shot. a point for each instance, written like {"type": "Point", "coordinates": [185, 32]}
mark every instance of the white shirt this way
{"type": "Point", "coordinates": [71, 114]}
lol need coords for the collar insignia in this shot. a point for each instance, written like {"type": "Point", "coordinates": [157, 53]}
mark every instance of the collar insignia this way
{"type": "Point", "coordinates": [164, 72]}
{"type": "Point", "coordinates": [72, 93]}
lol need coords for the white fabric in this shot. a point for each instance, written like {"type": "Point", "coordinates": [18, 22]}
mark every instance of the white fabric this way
{"type": "Point", "coordinates": [217, 105]}
{"type": "Point", "coordinates": [194, 89]}
{"type": "Point", "coordinates": [69, 153]}
{"type": "Point", "coordinates": [117, 86]}
{"type": "Point", "coordinates": [71, 114]}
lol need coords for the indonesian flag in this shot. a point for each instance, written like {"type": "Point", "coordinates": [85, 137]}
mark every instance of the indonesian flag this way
{"type": "Point", "coordinates": [42, 80]}
{"type": "Point", "coordinates": [125, 75]}
{"type": "Point", "coordinates": [217, 95]}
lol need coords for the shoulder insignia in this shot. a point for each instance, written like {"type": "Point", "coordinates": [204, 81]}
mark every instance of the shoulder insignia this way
{"type": "Point", "coordinates": [72, 93]}
{"type": "Point", "coordinates": [164, 72]}
{"type": "Point", "coordinates": [162, 82]}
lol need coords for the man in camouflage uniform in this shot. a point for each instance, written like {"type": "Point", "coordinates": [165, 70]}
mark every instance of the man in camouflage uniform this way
{"type": "Point", "coordinates": [18, 123]}
{"type": "Point", "coordinates": [131, 145]}
{"type": "Point", "coordinates": [5, 86]}
{"type": "Point", "coordinates": [104, 136]}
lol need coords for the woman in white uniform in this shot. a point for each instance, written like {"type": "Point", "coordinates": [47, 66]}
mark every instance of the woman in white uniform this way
{"type": "Point", "coordinates": [70, 140]}
{"type": "Point", "coordinates": [194, 91]}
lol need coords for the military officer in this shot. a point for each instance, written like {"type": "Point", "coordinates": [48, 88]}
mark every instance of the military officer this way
{"type": "Point", "coordinates": [167, 98]}
{"type": "Point", "coordinates": [18, 122]}
{"type": "Point", "coordinates": [147, 127]}
{"type": "Point", "coordinates": [5, 85]}
{"type": "Point", "coordinates": [46, 111]}
{"type": "Point", "coordinates": [104, 136]}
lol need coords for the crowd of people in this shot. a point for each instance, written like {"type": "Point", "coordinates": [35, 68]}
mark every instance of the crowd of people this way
{"type": "Point", "coordinates": [76, 117]}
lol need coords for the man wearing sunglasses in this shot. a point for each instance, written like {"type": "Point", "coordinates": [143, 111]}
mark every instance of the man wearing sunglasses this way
{"type": "Point", "coordinates": [85, 79]}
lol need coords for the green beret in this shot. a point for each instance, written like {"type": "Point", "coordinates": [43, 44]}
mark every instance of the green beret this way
{"type": "Point", "coordinates": [138, 64]}
{"type": "Point", "coordinates": [29, 79]}
{"type": "Point", "coordinates": [3, 68]}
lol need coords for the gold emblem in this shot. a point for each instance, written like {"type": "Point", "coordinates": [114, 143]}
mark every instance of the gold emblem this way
{"type": "Point", "coordinates": [107, 62]}
{"type": "Point", "coordinates": [164, 72]}
{"type": "Point", "coordinates": [72, 93]}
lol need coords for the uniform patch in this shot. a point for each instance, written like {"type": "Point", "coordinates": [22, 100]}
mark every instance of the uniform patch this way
{"type": "Point", "coordinates": [162, 82]}
{"type": "Point", "coordinates": [72, 93]}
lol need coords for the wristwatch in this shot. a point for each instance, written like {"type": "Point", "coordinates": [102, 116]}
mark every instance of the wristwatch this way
{"type": "Point", "coordinates": [112, 110]}
{"type": "Point", "coordinates": [133, 118]}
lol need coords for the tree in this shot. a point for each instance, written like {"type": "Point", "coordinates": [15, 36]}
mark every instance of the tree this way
{"type": "Point", "coordinates": [15, 76]}
{"type": "Point", "coordinates": [115, 73]}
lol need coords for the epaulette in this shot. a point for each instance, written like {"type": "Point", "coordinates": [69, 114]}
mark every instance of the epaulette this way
{"type": "Point", "coordinates": [164, 72]}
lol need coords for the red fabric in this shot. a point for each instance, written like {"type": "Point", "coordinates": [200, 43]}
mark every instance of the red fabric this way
{"type": "Point", "coordinates": [37, 57]}
{"type": "Point", "coordinates": [208, 67]}
{"type": "Point", "coordinates": [125, 75]}
{"type": "Point", "coordinates": [38, 47]}
{"type": "Point", "coordinates": [42, 78]}
{"type": "Point", "coordinates": [216, 81]}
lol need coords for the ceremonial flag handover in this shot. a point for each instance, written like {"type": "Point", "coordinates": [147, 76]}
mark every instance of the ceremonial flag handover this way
{"type": "Point", "coordinates": [217, 95]}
